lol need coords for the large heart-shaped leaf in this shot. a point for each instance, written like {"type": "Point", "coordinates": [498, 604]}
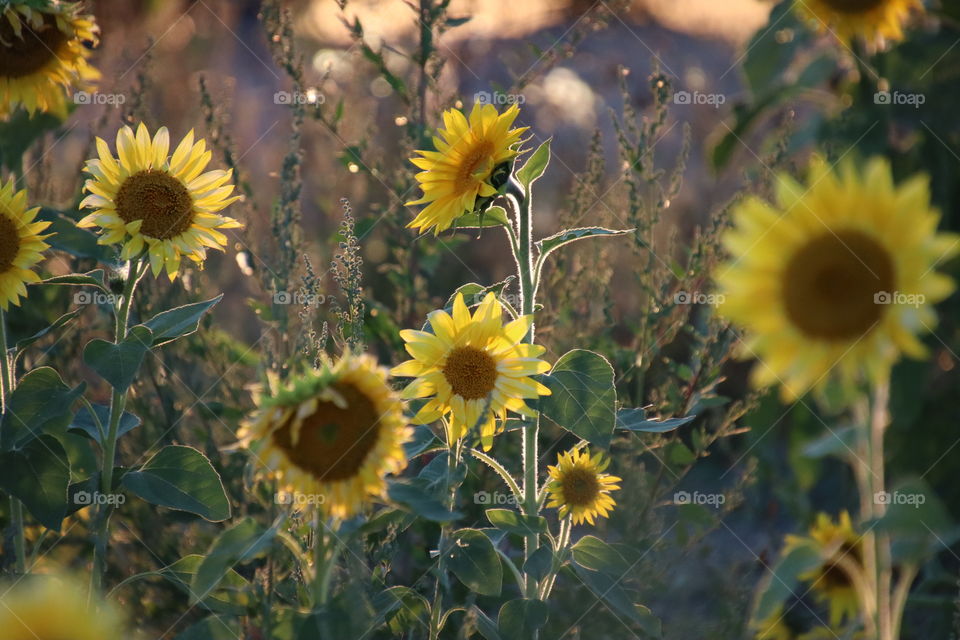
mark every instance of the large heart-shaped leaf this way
{"type": "Point", "coordinates": [38, 474]}
{"type": "Point", "coordinates": [583, 399]}
{"type": "Point", "coordinates": [521, 618]}
{"type": "Point", "coordinates": [86, 425]}
{"type": "Point", "coordinates": [472, 558]}
{"type": "Point", "coordinates": [118, 363]}
{"type": "Point", "coordinates": [181, 478]}
{"type": "Point", "coordinates": [41, 403]}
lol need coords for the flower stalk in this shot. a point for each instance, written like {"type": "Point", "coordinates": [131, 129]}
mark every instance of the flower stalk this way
{"type": "Point", "coordinates": [16, 507]}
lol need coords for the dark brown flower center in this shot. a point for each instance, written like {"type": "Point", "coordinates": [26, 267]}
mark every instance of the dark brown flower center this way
{"type": "Point", "coordinates": [476, 165]}
{"type": "Point", "coordinates": [9, 243]}
{"type": "Point", "coordinates": [854, 6]}
{"type": "Point", "coordinates": [160, 200]}
{"type": "Point", "coordinates": [834, 286]}
{"type": "Point", "coordinates": [334, 442]}
{"type": "Point", "coordinates": [29, 53]}
{"type": "Point", "coordinates": [580, 487]}
{"type": "Point", "coordinates": [471, 372]}
{"type": "Point", "coordinates": [832, 576]}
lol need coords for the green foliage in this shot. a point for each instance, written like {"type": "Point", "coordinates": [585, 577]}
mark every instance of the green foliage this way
{"type": "Point", "coordinates": [181, 478]}
{"type": "Point", "coordinates": [583, 399]}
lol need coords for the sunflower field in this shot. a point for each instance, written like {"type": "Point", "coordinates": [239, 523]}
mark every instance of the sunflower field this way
{"type": "Point", "coordinates": [450, 319]}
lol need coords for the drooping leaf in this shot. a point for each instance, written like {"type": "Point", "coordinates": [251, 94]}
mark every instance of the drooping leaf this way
{"type": "Point", "coordinates": [62, 321]}
{"type": "Point", "coordinates": [583, 399]}
{"type": "Point", "coordinates": [38, 474]}
{"type": "Point", "coordinates": [634, 420]}
{"type": "Point", "coordinates": [554, 242]}
{"type": "Point", "coordinates": [181, 478]}
{"type": "Point", "coordinates": [118, 363]}
{"type": "Point", "coordinates": [85, 424]}
{"type": "Point", "coordinates": [472, 558]}
{"type": "Point", "coordinates": [93, 278]}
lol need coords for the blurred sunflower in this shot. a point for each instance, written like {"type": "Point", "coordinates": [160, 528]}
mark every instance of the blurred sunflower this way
{"type": "Point", "coordinates": [460, 170]}
{"type": "Point", "coordinates": [578, 486]}
{"type": "Point", "coordinates": [837, 278]}
{"type": "Point", "coordinates": [472, 367]}
{"type": "Point", "coordinates": [43, 55]}
{"type": "Point", "coordinates": [842, 550]}
{"type": "Point", "coordinates": [872, 20]}
{"type": "Point", "coordinates": [333, 433]}
{"type": "Point", "coordinates": [776, 628]}
{"type": "Point", "coordinates": [146, 199]}
{"type": "Point", "coordinates": [48, 607]}
{"type": "Point", "coordinates": [21, 245]}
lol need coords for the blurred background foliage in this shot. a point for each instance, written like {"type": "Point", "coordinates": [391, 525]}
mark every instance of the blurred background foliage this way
{"type": "Point", "coordinates": [600, 78]}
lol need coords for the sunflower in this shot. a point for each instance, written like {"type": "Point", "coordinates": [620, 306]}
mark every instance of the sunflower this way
{"type": "Point", "coordinates": [872, 20]}
{"type": "Point", "coordinates": [473, 368]}
{"type": "Point", "coordinates": [20, 244]}
{"type": "Point", "coordinates": [579, 487]}
{"type": "Point", "coordinates": [46, 607]}
{"type": "Point", "coordinates": [837, 279]}
{"type": "Point", "coordinates": [146, 199]}
{"type": "Point", "coordinates": [332, 434]}
{"type": "Point", "coordinates": [43, 56]}
{"type": "Point", "coordinates": [837, 542]}
{"type": "Point", "coordinates": [461, 168]}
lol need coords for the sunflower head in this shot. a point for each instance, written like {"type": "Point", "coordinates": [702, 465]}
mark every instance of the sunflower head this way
{"type": "Point", "coordinates": [147, 200]}
{"type": "Point", "coordinates": [21, 245]}
{"type": "Point", "coordinates": [43, 56]}
{"type": "Point", "coordinates": [42, 607]}
{"type": "Point", "coordinates": [840, 547]}
{"type": "Point", "coordinates": [834, 281]}
{"type": "Point", "coordinates": [872, 20]}
{"type": "Point", "coordinates": [578, 486]}
{"type": "Point", "coordinates": [473, 368]}
{"type": "Point", "coordinates": [462, 169]}
{"type": "Point", "coordinates": [333, 433]}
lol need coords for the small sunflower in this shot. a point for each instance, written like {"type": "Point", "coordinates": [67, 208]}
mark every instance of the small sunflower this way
{"type": "Point", "coordinates": [833, 585]}
{"type": "Point", "coordinates": [836, 279]}
{"type": "Point", "coordinates": [333, 433]}
{"type": "Point", "coordinates": [21, 245]}
{"type": "Point", "coordinates": [460, 170]}
{"type": "Point", "coordinates": [871, 20]}
{"type": "Point", "coordinates": [43, 56]}
{"type": "Point", "coordinates": [46, 607]}
{"type": "Point", "coordinates": [579, 487]}
{"type": "Point", "coordinates": [472, 363]}
{"type": "Point", "coordinates": [146, 199]}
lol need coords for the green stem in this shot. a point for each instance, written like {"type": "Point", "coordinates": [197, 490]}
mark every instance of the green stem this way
{"type": "Point", "coordinates": [118, 403]}
{"type": "Point", "coordinates": [528, 293]}
{"type": "Point", "coordinates": [319, 561]}
{"type": "Point", "coordinates": [16, 507]}
{"type": "Point", "coordinates": [501, 471]}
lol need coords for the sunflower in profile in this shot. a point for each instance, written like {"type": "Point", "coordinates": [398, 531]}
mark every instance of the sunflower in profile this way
{"type": "Point", "coordinates": [841, 548]}
{"type": "Point", "coordinates": [43, 55]}
{"type": "Point", "coordinates": [460, 170]}
{"type": "Point", "coordinates": [836, 280]}
{"type": "Point", "coordinates": [578, 486]}
{"type": "Point", "coordinates": [871, 20]}
{"type": "Point", "coordinates": [149, 200]}
{"type": "Point", "coordinates": [42, 607]}
{"type": "Point", "coordinates": [473, 368]}
{"type": "Point", "coordinates": [333, 434]}
{"type": "Point", "coordinates": [21, 244]}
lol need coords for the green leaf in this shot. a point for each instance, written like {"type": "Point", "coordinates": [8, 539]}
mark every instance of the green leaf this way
{"type": "Point", "coordinates": [494, 216]}
{"type": "Point", "coordinates": [415, 496]}
{"type": "Point", "coordinates": [181, 478]}
{"type": "Point", "coordinates": [179, 322]}
{"type": "Point", "coordinates": [784, 576]}
{"type": "Point", "coordinates": [19, 132]}
{"type": "Point", "coordinates": [244, 541]}
{"type": "Point", "coordinates": [916, 519]}
{"type": "Point", "coordinates": [423, 440]}
{"type": "Point", "coordinates": [41, 403]}
{"type": "Point", "coordinates": [486, 626]}
{"type": "Point", "coordinates": [535, 166]}
{"type": "Point", "coordinates": [607, 589]}
{"type": "Point", "coordinates": [583, 399]}
{"type": "Point", "coordinates": [837, 442]}
{"type": "Point", "coordinates": [38, 475]}
{"type": "Point", "coordinates": [554, 242]}
{"type": "Point", "coordinates": [521, 618]}
{"type": "Point", "coordinates": [634, 420]}
{"type": "Point", "coordinates": [93, 278]}
{"type": "Point", "coordinates": [63, 320]}
{"type": "Point", "coordinates": [230, 597]}
{"type": "Point", "coordinates": [68, 237]}
{"type": "Point", "coordinates": [118, 363]}
{"type": "Point", "coordinates": [539, 563]}
{"type": "Point", "coordinates": [474, 293]}
{"type": "Point", "coordinates": [516, 522]}
{"type": "Point", "coordinates": [402, 608]}
{"type": "Point", "coordinates": [85, 425]}
{"type": "Point", "coordinates": [214, 627]}
{"type": "Point", "coordinates": [472, 558]}
{"type": "Point", "coordinates": [590, 552]}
